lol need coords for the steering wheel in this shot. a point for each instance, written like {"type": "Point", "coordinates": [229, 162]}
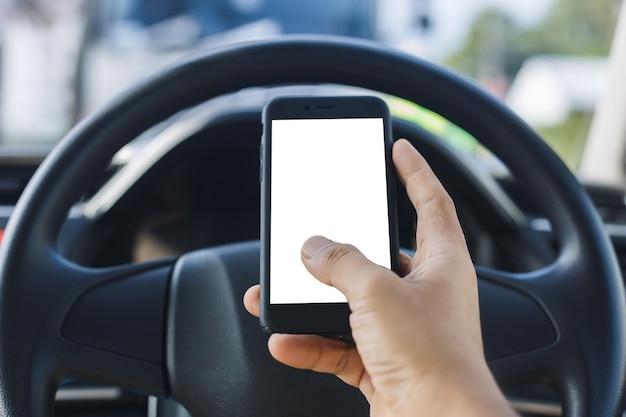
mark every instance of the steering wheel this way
{"type": "Point", "coordinates": [177, 327]}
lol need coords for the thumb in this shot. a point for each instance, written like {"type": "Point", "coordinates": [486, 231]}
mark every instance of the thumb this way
{"type": "Point", "coordinates": [341, 266]}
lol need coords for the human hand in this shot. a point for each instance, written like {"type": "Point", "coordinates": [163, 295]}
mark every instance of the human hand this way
{"type": "Point", "coordinates": [418, 339]}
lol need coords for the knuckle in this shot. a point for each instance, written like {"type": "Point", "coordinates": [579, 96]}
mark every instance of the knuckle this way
{"type": "Point", "coordinates": [336, 254]}
{"type": "Point", "coordinates": [342, 362]}
{"type": "Point", "coordinates": [431, 190]}
{"type": "Point", "coordinates": [441, 202]}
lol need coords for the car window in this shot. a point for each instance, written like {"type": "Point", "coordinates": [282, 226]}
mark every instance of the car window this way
{"type": "Point", "coordinates": [61, 59]}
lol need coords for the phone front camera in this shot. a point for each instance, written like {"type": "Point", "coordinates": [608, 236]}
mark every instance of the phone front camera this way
{"type": "Point", "coordinates": [307, 107]}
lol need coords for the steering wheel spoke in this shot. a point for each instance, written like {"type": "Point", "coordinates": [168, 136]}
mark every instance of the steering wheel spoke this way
{"type": "Point", "coordinates": [116, 326]}
{"type": "Point", "coordinates": [539, 327]}
{"type": "Point", "coordinates": [514, 317]}
{"type": "Point", "coordinates": [65, 320]}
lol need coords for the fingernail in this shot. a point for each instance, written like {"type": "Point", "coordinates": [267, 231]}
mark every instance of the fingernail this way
{"type": "Point", "coordinates": [313, 245]}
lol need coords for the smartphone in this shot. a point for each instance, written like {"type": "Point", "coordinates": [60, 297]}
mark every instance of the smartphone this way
{"type": "Point", "coordinates": [326, 170]}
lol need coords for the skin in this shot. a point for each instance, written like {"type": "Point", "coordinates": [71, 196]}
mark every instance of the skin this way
{"type": "Point", "coordinates": [418, 342]}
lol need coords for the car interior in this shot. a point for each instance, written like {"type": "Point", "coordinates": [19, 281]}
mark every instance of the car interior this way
{"type": "Point", "coordinates": [127, 245]}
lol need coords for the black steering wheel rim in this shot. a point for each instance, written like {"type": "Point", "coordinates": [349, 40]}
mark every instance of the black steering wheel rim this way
{"type": "Point", "coordinates": [587, 273]}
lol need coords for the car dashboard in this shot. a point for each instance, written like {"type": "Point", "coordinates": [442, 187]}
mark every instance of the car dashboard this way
{"type": "Point", "coordinates": [200, 188]}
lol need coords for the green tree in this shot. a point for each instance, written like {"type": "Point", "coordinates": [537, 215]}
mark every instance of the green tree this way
{"type": "Point", "coordinates": [487, 51]}
{"type": "Point", "coordinates": [573, 27]}
{"type": "Point", "coordinates": [497, 45]}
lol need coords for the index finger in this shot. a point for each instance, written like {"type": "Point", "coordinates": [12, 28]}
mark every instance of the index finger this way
{"type": "Point", "coordinates": [437, 221]}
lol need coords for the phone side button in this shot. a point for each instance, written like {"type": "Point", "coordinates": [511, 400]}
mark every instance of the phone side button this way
{"type": "Point", "coordinates": [261, 149]}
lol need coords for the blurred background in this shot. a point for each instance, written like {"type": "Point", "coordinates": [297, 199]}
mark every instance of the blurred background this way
{"type": "Point", "coordinates": [547, 59]}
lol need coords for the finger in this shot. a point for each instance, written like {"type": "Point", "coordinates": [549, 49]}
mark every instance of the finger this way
{"type": "Point", "coordinates": [437, 219]}
{"type": "Point", "coordinates": [405, 263]}
{"type": "Point", "coordinates": [321, 354]}
{"type": "Point", "coordinates": [251, 300]}
{"type": "Point", "coordinates": [341, 266]}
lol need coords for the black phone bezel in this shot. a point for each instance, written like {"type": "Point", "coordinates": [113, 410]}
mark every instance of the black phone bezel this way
{"type": "Point", "coordinates": [317, 318]}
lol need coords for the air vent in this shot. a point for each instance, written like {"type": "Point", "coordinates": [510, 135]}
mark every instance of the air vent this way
{"type": "Point", "coordinates": [610, 203]}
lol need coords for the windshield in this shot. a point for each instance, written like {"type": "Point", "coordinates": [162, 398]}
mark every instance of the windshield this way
{"type": "Point", "coordinates": [547, 60]}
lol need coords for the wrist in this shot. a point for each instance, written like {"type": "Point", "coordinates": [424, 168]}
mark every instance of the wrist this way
{"type": "Point", "coordinates": [478, 395]}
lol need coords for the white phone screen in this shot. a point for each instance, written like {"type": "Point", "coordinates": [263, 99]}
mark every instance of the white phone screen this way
{"type": "Point", "coordinates": [328, 177]}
